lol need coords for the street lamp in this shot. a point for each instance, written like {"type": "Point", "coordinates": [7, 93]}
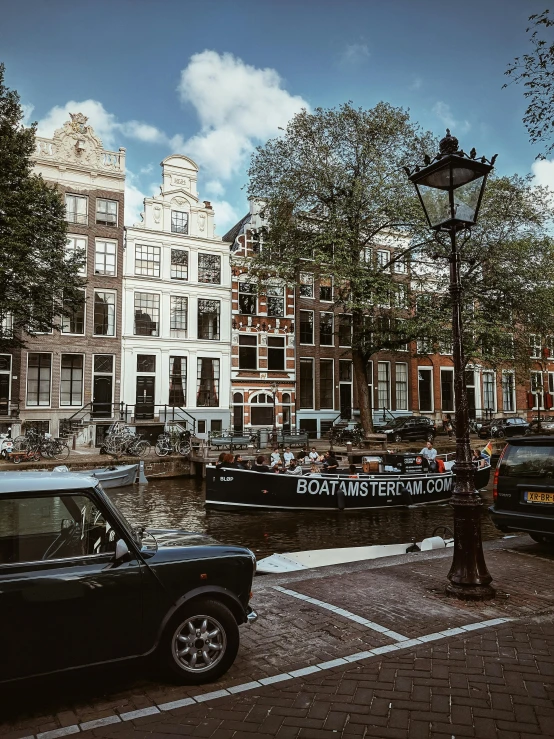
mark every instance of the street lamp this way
{"type": "Point", "coordinates": [450, 188]}
{"type": "Point", "coordinates": [274, 388]}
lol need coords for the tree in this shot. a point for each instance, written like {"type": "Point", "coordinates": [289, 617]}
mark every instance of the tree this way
{"type": "Point", "coordinates": [536, 72]}
{"type": "Point", "coordinates": [333, 188]}
{"type": "Point", "coordinates": [37, 278]}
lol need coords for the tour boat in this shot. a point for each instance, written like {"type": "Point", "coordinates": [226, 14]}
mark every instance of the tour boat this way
{"type": "Point", "coordinates": [388, 480]}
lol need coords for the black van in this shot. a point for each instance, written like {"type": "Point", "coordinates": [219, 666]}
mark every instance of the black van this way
{"type": "Point", "coordinates": [523, 488]}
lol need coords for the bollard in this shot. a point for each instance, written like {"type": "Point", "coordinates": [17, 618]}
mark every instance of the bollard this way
{"type": "Point", "coordinates": [74, 442]}
{"type": "Point", "coordinates": [141, 476]}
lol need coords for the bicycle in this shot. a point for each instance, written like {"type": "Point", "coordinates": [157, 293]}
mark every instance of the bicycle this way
{"type": "Point", "coordinates": [53, 449]}
{"type": "Point", "coordinates": [169, 443]}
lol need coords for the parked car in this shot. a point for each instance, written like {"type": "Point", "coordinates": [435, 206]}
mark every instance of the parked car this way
{"type": "Point", "coordinates": [523, 488]}
{"type": "Point", "coordinates": [80, 586]}
{"type": "Point", "coordinates": [408, 428]}
{"type": "Point", "coordinates": [546, 427]}
{"type": "Point", "coordinates": [503, 427]}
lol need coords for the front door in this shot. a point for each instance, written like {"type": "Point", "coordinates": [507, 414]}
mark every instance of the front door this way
{"type": "Point", "coordinates": [345, 400]}
{"type": "Point", "coordinates": [4, 395]}
{"type": "Point", "coordinates": [102, 396]}
{"type": "Point", "coordinates": [145, 397]}
{"type": "Point", "coordinates": [64, 600]}
{"type": "Point", "coordinates": [238, 419]}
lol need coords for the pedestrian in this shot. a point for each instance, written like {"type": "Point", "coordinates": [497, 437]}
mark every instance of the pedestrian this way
{"type": "Point", "coordinates": [260, 465]}
{"type": "Point", "coordinates": [288, 456]}
{"type": "Point", "coordinates": [449, 425]}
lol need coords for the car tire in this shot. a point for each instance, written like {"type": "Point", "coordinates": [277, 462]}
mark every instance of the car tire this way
{"type": "Point", "coordinates": [430, 437]}
{"type": "Point", "coordinates": [500, 434]}
{"type": "Point", "coordinates": [201, 618]}
{"type": "Point", "coordinates": [398, 438]}
{"type": "Point", "coordinates": [543, 538]}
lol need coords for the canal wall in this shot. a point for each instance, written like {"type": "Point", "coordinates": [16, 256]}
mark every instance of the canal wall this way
{"type": "Point", "coordinates": [154, 467]}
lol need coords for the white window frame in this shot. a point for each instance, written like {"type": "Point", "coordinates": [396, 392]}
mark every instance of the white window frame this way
{"type": "Point", "coordinates": [380, 364]}
{"type": "Point", "coordinates": [84, 332]}
{"type": "Point", "coordinates": [536, 406]}
{"type": "Point", "coordinates": [80, 403]}
{"type": "Point", "coordinates": [327, 277]}
{"type": "Point", "coordinates": [327, 313]}
{"type": "Point", "coordinates": [302, 408]}
{"type": "Point", "coordinates": [82, 270]}
{"type": "Point", "coordinates": [306, 279]}
{"type": "Point", "coordinates": [451, 371]}
{"type": "Point", "coordinates": [383, 258]}
{"type": "Point", "coordinates": [511, 373]}
{"type": "Point", "coordinates": [494, 396]}
{"type": "Point", "coordinates": [339, 316]}
{"type": "Point", "coordinates": [332, 361]}
{"type": "Point", "coordinates": [426, 368]}
{"type": "Point", "coordinates": [304, 343]}
{"type": "Point", "coordinates": [107, 223]}
{"type": "Point", "coordinates": [157, 263]}
{"type": "Point", "coordinates": [80, 218]}
{"type": "Point", "coordinates": [178, 332]}
{"type": "Point", "coordinates": [106, 242]}
{"type": "Point", "coordinates": [33, 406]}
{"type": "Point", "coordinates": [110, 292]}
{"type": "Point", "coordinates": [396, 383]}
{"type": "Point", "coordinates": [535, 347]}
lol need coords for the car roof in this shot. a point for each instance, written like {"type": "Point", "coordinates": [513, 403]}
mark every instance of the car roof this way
{"type": "Point", "coordinates": [31, 481]}
{"type": "Point", "coordinates": [530, 440]}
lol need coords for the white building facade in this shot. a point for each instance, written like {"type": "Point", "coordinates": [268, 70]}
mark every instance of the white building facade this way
{"type": "Point", "coordinates": [176, 352]}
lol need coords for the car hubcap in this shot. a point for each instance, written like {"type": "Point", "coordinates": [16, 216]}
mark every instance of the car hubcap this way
{"type": "Point", "coordinates": [199, 643]}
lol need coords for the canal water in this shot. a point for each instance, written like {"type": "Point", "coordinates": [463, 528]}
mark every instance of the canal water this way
{"type": "Point", "coordinates": [178, 503]}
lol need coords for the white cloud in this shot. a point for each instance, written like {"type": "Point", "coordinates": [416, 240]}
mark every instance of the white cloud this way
{"type": "Point", "coordinates": [354, 55]}
{"type": "Point", "coordinates": [27, 109]}
{"type": "Point", "coordinates": [147, 169]}
{"type": "Point", "coordinates": [444, 113]}
{"type": "Point", "coordinates": [214, 187]}
{"type": "Point", "coordinates": [543, 172]}
{"type": "Point", "coordinates": [225, 216]}
{"type": "Point", "coordinates": [238, 105]}
{"type": "Point", "coordinates": [134, 198]}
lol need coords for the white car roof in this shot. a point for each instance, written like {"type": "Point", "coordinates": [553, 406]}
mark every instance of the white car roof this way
{"type": "Point", "coordinates": [30, 481]}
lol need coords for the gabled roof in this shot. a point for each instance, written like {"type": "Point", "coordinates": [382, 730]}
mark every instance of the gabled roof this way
{"type": "Point", "coordinates": [237, 229]}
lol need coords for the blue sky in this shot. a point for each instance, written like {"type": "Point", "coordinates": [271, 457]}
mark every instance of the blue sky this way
{"type": "Point", "coordinates": [213, 79]}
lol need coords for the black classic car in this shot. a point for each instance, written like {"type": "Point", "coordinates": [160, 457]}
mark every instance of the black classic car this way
{"type": "Point", "coordinates": [503, 427]}
{"type": "Point", "coordinates": [79, 586]}
{"type": "Point", "coordinates": [411, 427]}
{"type": "Point", "coordinates": [523, 488]}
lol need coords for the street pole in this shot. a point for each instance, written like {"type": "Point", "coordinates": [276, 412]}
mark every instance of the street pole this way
{"type": "Point", "coordinates": [469, 577]}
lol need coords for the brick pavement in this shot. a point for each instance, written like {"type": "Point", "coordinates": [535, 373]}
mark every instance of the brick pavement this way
{"type": "Point", "coordinates": [418, 689]}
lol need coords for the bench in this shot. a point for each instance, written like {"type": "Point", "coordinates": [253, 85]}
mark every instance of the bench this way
{"type": "Point", "coordinates": [299, 439]}
{"type": "Point", "coordinates": [232, 441]}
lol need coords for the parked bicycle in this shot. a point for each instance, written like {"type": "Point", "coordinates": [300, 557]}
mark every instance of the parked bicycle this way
{"type": "Point", "coordinates": [340, 436]}
{"type": "Point", "coordinates": [174, 442]}
{"type": "Point", "coordinates": [123, 440]}
{"type": "Point", "coordinates": [44, 445]}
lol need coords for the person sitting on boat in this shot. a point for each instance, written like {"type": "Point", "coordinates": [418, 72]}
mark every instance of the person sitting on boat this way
{"type": "Point", "coordinates": [479, 458]}
{"type": "Point", "coordinates": [330, 463]}
{"type": "Point", "coordinates": [277, 467]}
{"type": "Point", "coordinates": [294, 469]}
{"type": "Point", "coordinates": [288, 456]}
{"type": "Point", "coordinates": [428, 452]}
{"type": "Point", "coordinates": [240, 464]}
{"type": "Point", "coordinates": [314, 471]}
{"type": "Point", "coordinates": [227, 461]}
{"type": "Point", "coordinates": [440, 465]}
{"type": "Point", "coordinates": [260, 465]}
{"type": "Point", "coordinates": [275, 457]}
{"type": "Point", "coordinates": [314, 456]}
{"type": "Point", "coordinates": [353, 472]}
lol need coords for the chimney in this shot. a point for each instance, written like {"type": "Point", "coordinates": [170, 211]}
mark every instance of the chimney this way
{"type": "Point", "coordinates": [207, 205]}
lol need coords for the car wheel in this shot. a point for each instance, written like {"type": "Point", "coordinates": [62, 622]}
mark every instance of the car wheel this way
{"type": "Point", "coordinates": [543, 538]}
{"type": "Point", "coordinates": [200, 642]}
{"type": "Point", "coordinates": [430, 437]}
{"type": "Point", "coordinates": [500, 434]}
{"type": "Point", "coordinates": [528, 432]}
{"type": "Point", "coordinates": [398, 438]}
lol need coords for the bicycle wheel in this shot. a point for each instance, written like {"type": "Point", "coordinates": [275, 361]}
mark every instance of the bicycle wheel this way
{"type": "Point", "coordinates": [45, 450]}
{"type": "Point", "coordinates": [161, 449]}
{"type": "Point", "coordinates": [20, 443]}
{"type": "Point", "coordinates": [142, 448]}
{"type": "Point", "coordinates": [61, 451]}
{"type": "Point", "coordinates": [184, 448]}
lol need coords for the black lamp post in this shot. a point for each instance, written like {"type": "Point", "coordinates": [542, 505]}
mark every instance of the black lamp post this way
{"type": "Point", "coordinates": [450, 188]}
{"type": "Point", "coordinates": [274, 388]}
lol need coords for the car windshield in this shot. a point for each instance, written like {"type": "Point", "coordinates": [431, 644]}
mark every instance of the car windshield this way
{"type": "Point", "coordinates": [527, 461]}
{"type": "Point", "coordinates": [395, 423]}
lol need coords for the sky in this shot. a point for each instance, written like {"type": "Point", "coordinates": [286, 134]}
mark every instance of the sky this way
{"type": "Point", "coordinates": [214, 79]}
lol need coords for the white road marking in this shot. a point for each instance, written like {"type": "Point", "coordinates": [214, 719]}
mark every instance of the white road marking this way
{"type": "Point", "coordinates": [404, 643]}
{"type": "Point", "coordinates": [345, 614]}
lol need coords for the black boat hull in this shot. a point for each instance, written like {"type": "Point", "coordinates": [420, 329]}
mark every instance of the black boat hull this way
{"type": "Point", "coordinates": [232, 488]}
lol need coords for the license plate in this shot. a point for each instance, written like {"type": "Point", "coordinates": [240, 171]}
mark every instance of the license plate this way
{"type": "Point", "coordinates": [538, 497]}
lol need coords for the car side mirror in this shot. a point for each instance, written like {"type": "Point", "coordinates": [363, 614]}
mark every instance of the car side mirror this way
{"type": "Point", "coordinates": [121, 550]}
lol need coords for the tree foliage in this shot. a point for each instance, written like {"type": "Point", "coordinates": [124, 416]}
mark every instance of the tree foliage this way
{"type": "Point", "coordinates": [535, 71]}
{"type": "Point", "coordinates": [333, 189]}
{"type": "Point", "coordinates": [35, 274]}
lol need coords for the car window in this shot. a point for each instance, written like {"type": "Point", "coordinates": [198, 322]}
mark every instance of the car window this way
{"type": "Point", "coordinates": [52, 527]}
{"type": "Point", "coordinates": [527, 461]}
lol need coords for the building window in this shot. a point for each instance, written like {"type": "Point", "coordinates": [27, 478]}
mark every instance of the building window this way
{"type": "Point", "coordinates": [401, 386]}
{"type": "Point", "coordinates": [383, 258]}
{"type": "Point", "coordinates": [306, 285]}
{"type": "Point", "coordinates": [178, 315]}
{"type": "Point", "coordinates": [177, 381]}
{"type": "Point", "coordinates": [447, 390]}
{"type": "Point", "coordinates": [537, 388]}
{"type": "Point", "coordinates": [275, 353]}
{"type": "Point", "coordinates": [147, 260]}
{"type": "Point", "coordinates": [207, 383]}
{"type": "Point", "coordinates": [146, 363]}
{"type": "Point", "coordinates": [73, 318]}
{"type": "Point", "coordinates": [76, 209]}
{"type": "Point", "coordinates": [179, 264]}
{"type": "Point", "coordinates": [326, 329]}
{"type": "Point", "coordinates": [425, 387]}
{"type": "Point", "coordinates": [275, 300]}
{"type": "Point", "coordinates": [248, 352]}
{"type": "Point", "coordinates": [39, 373]}
{"type": "Point", "coordinates": [345, 329]}
{"type": "Point", "coordinates": [535, 344]}
{"type": "Point", "coordinates": [208, 319]}
{"type": "Point", "coordinates": [179, 222]}
{"type": "Point", "coordinates": [209, 268]}
{"type": "Point", "coordinates": [147, 314]}
{"type": "Point", "coordinates": [247, 298]}
{"type": "Point", "coordinates": [401, 295]}
{"type": "Point", "coordinates": [104, 257]}
{"type": "Point", "coordinates": [262, 411]}
{"type": "Point", "coordinates": [306, 383]}
{"type": "Point", "coordinates": [508, 392]}
{"type": "Point", "coordinates": [326, 384]}
{"type": "Point", "coordinates": [306, 327]}
{"type": "Point", "coordinates": [383, 385]}
{"type": "Point", "coordinates": [106, 212]}
{"type": "Point", "coordinates": [345, 370]}
{"type": "Point", "coordinates": [104, 313]}
{"type": "Point", "coordinates": [326, 289]}
{"type": "Point", "coordinates": [400, 266]}
{"type": "Point", "coordinates": [103, 364]}
{"type": "Point", "coordinates": [77, 247]}
{"type": "Point", "coordinates": [489, 395]}
{"type": "Point", "coordinates": [71, 380]}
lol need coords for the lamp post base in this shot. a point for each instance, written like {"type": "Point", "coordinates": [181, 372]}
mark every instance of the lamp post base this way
{"type": "Point", "coordinates": [469, 577]}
